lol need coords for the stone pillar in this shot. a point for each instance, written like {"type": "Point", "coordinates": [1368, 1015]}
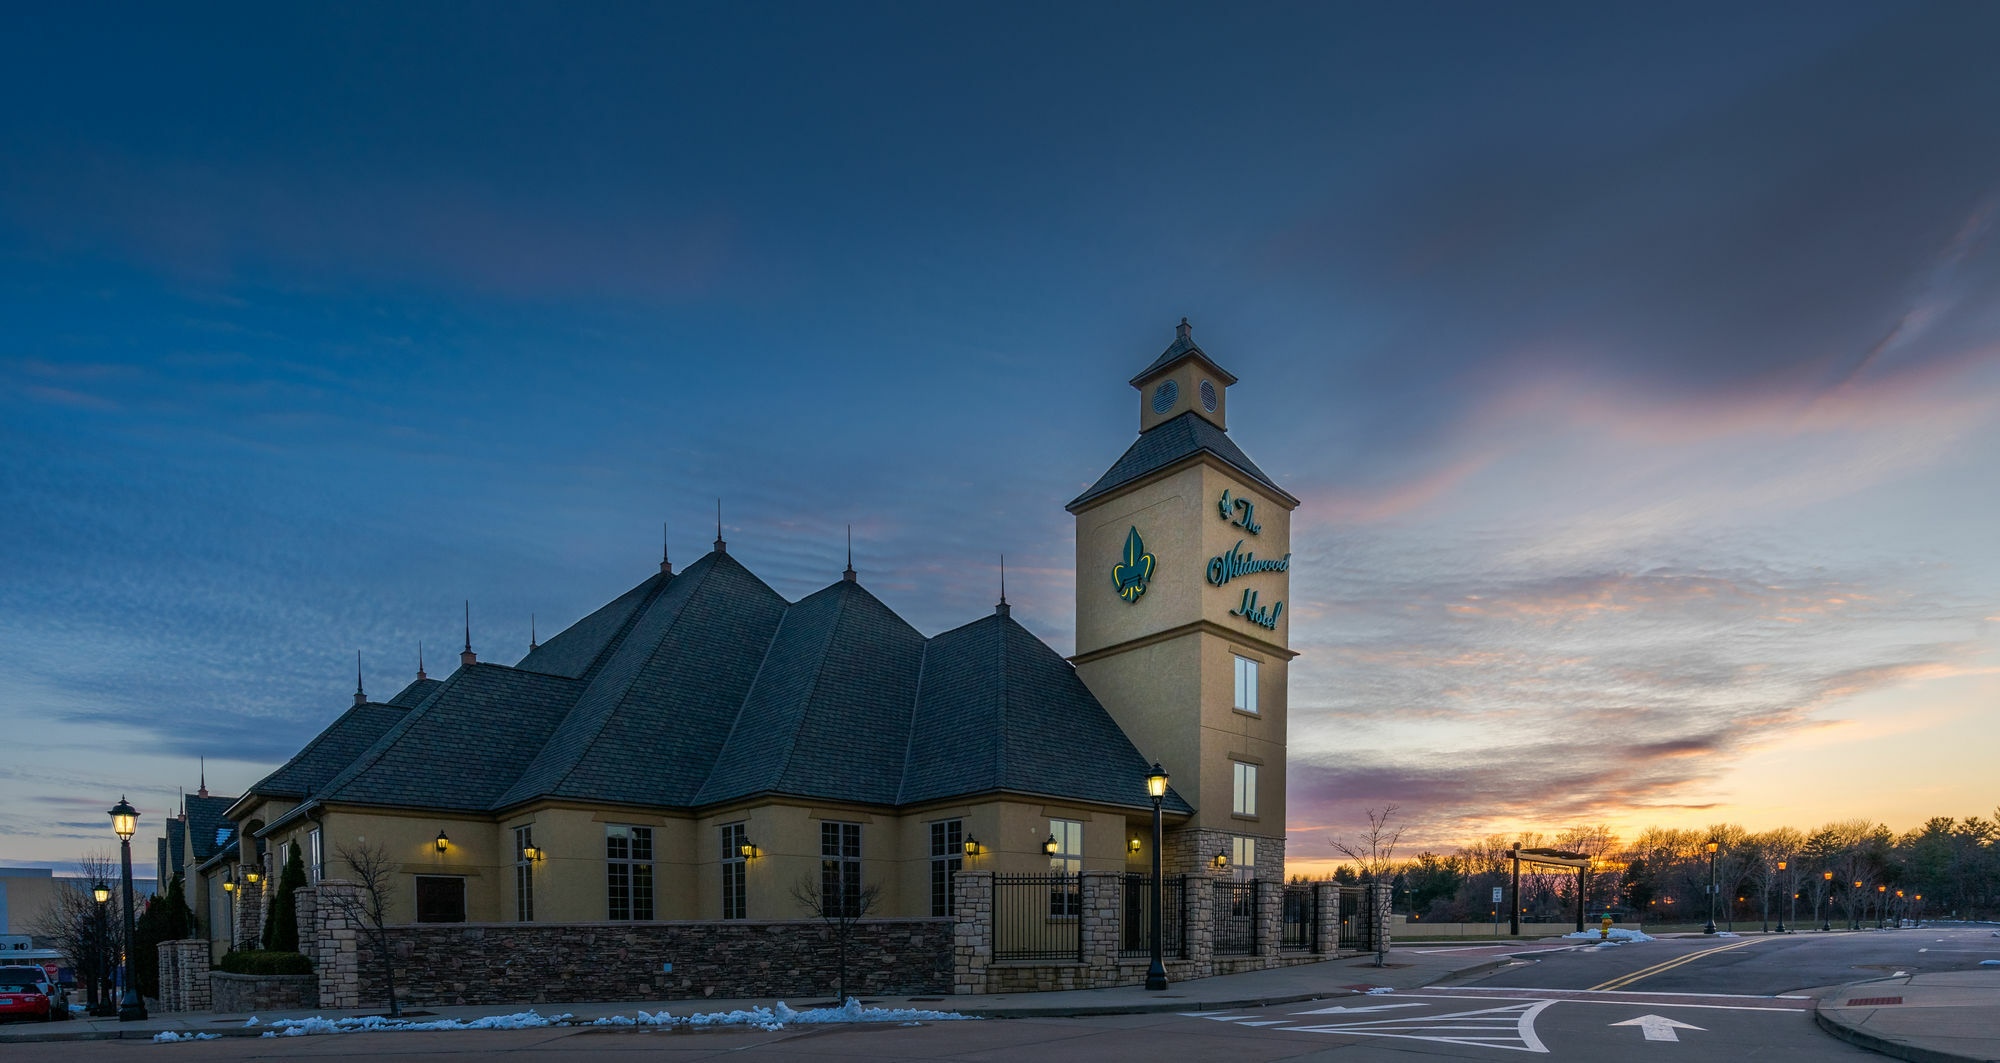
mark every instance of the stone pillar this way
{"type": "Point", "coordinates": [1326, 918]}
{"type": "Point", "coordinates": [1377, 908]}
{"type": "Point", "coordinates": [336, 937]}
{"type": "Point", "coordinates": [305, 904]}
{"type": "Point", "coordinates": [184, 975]}
{"type": "Point", "coordinates": [1103, 894]}
{"type": "Point", "coordinates": [1270, 928]}
{"type": "Point", "coordinates": [1198, 897]}
{"type": "Point", "coordinates": [248, 933]}
{"type": "Point", "coordinates": [971, 931]}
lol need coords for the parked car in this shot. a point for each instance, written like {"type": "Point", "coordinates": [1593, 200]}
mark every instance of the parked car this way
{"type": "Point", "coordinates": [25, 995]}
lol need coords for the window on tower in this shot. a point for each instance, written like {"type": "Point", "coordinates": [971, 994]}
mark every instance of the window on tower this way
{"type": "Point", "coordinates": [1246, 685]}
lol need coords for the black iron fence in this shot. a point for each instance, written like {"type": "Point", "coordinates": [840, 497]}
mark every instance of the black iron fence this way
{"type": "Point", "coordinates": [1235, 918]}
{"type": "Point", "coordinates": [1037, 917]}
{"type": "Point", "coordinates": [1353, 900]}
{"type": "Point", "coordinates": [1135, 938]}
{"type": "Point", "coordinates": [1301, 927]}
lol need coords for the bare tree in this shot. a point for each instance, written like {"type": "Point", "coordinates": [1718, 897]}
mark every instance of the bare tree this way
{"type": "Point", "coordinates": [841, 907]}
{"type": "Point", "coordinates": [1375, 853]}
{"type": "Point", "coordinates": [375, 873]}
{"type": "Point", "coordinates": [70, 923]}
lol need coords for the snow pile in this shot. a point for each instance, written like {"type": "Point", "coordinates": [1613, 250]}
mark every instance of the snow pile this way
{"type": "Point", "coordinates": [771, 1018]}
{"type": "Point", "coordinates": [1616, 935]}
{"type": "Point", "coordinates": [1989, 963]}
{"type": "Point", "coordinates": [1381, 989]}
{"type": "Point", "coordinates": [167, 1037]}
{"type": "Point", "coordinates": [1724, 934]}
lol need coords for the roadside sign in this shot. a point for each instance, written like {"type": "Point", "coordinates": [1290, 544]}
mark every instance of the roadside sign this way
{"type": "Point", "coordinates": [1496, 895]}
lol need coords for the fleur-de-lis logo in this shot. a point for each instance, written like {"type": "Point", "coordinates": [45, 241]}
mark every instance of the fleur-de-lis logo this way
{"type": "Point", "coordinates": [1131, 574]}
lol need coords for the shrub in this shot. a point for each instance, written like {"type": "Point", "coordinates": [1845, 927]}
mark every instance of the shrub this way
{"type": "Point", "coordinates": [281, 923]}
{"type": "Point", "coordinates": [260, 962]}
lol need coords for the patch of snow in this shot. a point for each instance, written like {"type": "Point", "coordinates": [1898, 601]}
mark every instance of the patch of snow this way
{"type": "Point", "coordinates": [772, 1018]}
{"type": "Point", "coordinates": [252, 1022]}
{"type": "Point", "coordinates": [1616, 935]}
{"type": "Point", "coordinates": [1381, 989]}
{"type": "Point", "coordinates": [1989, 963]}
{"type": "Point", "coordinates": [1724, 934]}
{"type": "Point", "coordinates": [167, 1037]}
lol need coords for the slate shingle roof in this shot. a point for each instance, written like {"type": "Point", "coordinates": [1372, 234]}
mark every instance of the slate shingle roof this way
{"type": "Point", "coordinates": [205, 817]}
{"type": "Point", "coordinates": [347, 737]}
{"type": "Point", "coordinates": [708, 686]}
{"type": "Point", "coordinates": [1183, 346]}
{"type": "Point", "coordinates": [176, 854]}
{"type": "Point", "coordinates": [1170, 442]}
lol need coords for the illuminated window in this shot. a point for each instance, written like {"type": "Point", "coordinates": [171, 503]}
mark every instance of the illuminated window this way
{"type": "Point", "coordinates": [1246, 789]}
{"type": "Point", "coordinates": [1246, 684]}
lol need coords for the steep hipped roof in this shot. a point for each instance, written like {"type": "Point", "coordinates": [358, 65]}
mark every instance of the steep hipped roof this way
{"type": "Point", "coordinates": [347, 737]}
{"type": "Point", "coordinates": [1182, 347]}
{"type": "Point", "coordinates": [176, 855]}
{"type": "Point", "coordinates": [205, 817]}
{"type": "Point", "coordinates": [1169, 443]}
{"type": "Point", "coordinates": [706, 687]}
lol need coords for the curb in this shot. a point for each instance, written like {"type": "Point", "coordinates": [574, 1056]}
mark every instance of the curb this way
{"type": "Point", "coordinates": [1860, 1038]}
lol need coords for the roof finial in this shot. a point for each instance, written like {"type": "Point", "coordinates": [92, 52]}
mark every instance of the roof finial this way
{"type": "Point", "coordinates": [203, 792]}
{"type": "Point", "coordinates": [1183, 330]}
{"type": "Point", "coordinates": [359, 697]}
{"type": "Point", "coordinates": [666, 561]}
{"type": "Point", "coordinates": [1002, 609]}
{"type": "Point", "coordinates": [720, 546]}
{"type": "Point", "coordinates": [848, 575]}
{"type": "Point", "coordinates": [420, 661]}
{"type": "Point", "coordinates": [532, 646]}
{"type": "Point", "coordinates": [468, 657]}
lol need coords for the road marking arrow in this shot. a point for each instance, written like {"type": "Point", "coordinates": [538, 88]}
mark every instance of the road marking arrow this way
{"type": "Point", "coordinates": [1658, 1027]}
{"type": "Point", "coordinates": [1349, 1011]}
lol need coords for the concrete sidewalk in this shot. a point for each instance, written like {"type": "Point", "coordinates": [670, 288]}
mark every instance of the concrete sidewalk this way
{"type": "Point", "coordinates": [1942, 1017]}
{"type": "Point", "coordinates": [1407, 969]}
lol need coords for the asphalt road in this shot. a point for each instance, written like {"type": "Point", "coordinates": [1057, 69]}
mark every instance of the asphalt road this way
{"type": "Point", "coordinates": [1675, 999]}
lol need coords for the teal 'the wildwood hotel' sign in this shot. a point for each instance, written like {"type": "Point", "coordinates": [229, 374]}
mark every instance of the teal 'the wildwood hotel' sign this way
{"type": "Point", "coordinates": [1242, 513]}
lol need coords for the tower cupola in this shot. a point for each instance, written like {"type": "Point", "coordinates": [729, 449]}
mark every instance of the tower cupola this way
{"type": "Point", "coordinates": [1183, 379]}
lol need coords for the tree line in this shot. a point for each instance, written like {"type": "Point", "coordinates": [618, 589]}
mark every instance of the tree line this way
{"type": "Point", "coordinates": [1844, 873]}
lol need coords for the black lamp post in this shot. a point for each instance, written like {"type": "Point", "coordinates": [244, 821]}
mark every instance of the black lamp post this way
{"type": "Point", "coordinates": [100, 981]}
{"type": "Point", "coordinates": [1710, 928]}
{"type": "Point", "coordinates": [1826, 924]}
{"type": "Point", "coordinates": [1795, 898]}
{"type": "Point", "coordinates": [125, 823]}
{"type": "Point", "coordinates": [1156, 788]}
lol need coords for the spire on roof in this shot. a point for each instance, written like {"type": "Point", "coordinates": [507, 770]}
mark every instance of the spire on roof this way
{"type": "Point", "coordinates": [532, 647]}
{"type": "Point", "coordinates": [468, 657]}
{"type": "Point", "coordinates": [1002, 609]}
{"type": "Point", "coordinates": [666, 561]}
{"type": "Point", "coordinates": [420, 661]}
{"type": "Point", "coordinates": [359, 697]}
{"type": "Point", "coordinates": [203, 792]}
{"type": "Point", "coordinates": [848, 574]}
{"type": "Point", "coordinates": [1184, 331]}
{"type": "Point", "coordinates": [720, 546]}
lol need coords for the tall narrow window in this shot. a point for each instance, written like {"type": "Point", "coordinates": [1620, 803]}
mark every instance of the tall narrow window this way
{"type": "Point", "coordinates": [1246, 684]}
{"type": "Point", "coordinates": [947, 857]}
{"type": "Point", "coordinates": [524, 874]}
{"type": "Point", "coordinates": [628, 872]}
{"type": "Point", "coordinates": [735, 880]}
{"type": "Point", "coordinates": [1065, 897]}
{"type": "Point", "coordinates": [1246, 789]}
{"type": "Point", "coordinates": [840, 867]}
{"type": "Point", "coordinates": [1243, 858]}
{"type": "Point", "coordinates": [314, 866]}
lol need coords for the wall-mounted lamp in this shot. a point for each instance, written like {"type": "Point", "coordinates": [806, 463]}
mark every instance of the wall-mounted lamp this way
{"type": "Point", "coordinates": [531, 853]}
{"type": "Point", "coordinates": [443, 842]}
{"type": "Point", "coordinates": [972, 846]}
{"type": "Point", "coordinates": [746, 851]}
{"type": "Point", "coordinates": [228, 881]}
{"type": "Point", "coordinates": [255, 876]}
{"type": "Point", "coordinates": [1221, 861]}
{"type": "Point", "coordinates": [1133, 845]}
{"type": "Point", "coordinates": [1049, 846]}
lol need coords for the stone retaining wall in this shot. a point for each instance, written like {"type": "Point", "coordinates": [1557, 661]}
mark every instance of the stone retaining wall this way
{"type": "Point", "coordinates": [184, 975]}
{"type": "Point", "coordinates": [238, 993]}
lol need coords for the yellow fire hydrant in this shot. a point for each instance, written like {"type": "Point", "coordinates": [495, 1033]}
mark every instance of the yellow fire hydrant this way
{"type": "Point", "coordinates": [1604, 928]}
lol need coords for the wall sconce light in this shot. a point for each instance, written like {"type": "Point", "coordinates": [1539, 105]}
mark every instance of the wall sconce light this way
{"type": "Point", "coordinates": [746, 851]}
{"type": "Point", "coordinates": [531, 853]}
{"type": "Point", "coordinates": [1133, 845]}
{"type": "Point", "coordinates": [228, 881]}
{"type": "Point", "coordinates": [1221, 861]}
{"type": "Point", "coordinates": [443, 842]}
{"type": "Point", "coordinates": [1049, 846]}
{"type": "Point", "coordinates": [971, 846]}
{"type": "Point", "coordinates": [253, 875]}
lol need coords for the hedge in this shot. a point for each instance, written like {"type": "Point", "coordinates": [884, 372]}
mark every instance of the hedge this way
{"type": "Point", "coordinates": [259, 962]}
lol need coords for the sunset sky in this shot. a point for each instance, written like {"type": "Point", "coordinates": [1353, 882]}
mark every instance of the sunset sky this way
{"type": "Point", "coordinates": [1638, 369]}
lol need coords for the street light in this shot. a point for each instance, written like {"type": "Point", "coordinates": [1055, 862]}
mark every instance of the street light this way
{"type": "Point", "coordinates": [100, 982]}
{"type": "Point", "coordinates": [1710, 928]}
{"type": "Point", "coordinates": [1853, 909]}
{"type": "Point", "coordinates": [1156, 788]}
{"type": "Point", "coordinates": [1881, 903]}
{"type": "Point", "coordinates": [1827, 923]}
{"type": "Point", "coordinates": [1795, 903]}
{"type": "Point", "coordinates": [125, 823]}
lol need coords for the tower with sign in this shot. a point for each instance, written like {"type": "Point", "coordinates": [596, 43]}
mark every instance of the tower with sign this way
{"type": "Point", "coordinates": [1183, 590]}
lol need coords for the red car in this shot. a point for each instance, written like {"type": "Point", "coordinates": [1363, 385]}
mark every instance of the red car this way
{"type": "Point", "coordinates": [21, 994]}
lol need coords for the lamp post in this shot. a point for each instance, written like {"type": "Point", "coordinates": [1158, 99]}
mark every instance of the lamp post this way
{"type": "Point", "coordinates": [229, 892]}
{"type": "Point", "coordinates": [125, 823]}
{"type": "Point", "coordinates": [1881, 906]}
{"type": "Point", "coordinates": [1156, 788]}
{"type": "Point", "coordinates": [1710, 927]}
{"type": "Point", "coordinates": [1827, 923]}
{"type": "Point", "coordinates": [1853, 907]}
{"type": "Point", "coordinates": [100, 981]}
{"type": "Point", "coordinates": [1795, 898]}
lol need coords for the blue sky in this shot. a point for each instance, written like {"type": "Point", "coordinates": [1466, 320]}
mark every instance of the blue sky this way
{"type": "Point", "coordinates": [1637, 367]}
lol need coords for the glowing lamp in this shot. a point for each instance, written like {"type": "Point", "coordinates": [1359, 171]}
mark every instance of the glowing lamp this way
{"type": "Point", "coordinates": [1156, 782]}
{"type": "Point", "coordinates": [124, 819]}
